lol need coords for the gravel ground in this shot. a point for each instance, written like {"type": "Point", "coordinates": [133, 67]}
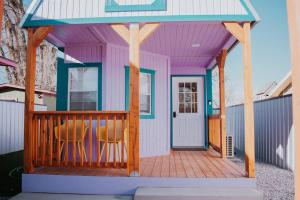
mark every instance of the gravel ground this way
{"type": "Point", "coordinates": [275, 183]}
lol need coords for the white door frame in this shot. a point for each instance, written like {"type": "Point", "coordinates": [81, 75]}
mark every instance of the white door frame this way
{"type": "Point", "coordinates": [204, 106]}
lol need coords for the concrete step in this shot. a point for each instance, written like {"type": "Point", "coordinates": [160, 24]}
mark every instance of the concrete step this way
{"type": "Point", "coordinates": [203, 193]}
{"type": "Point", "coordinates": [46, 196]}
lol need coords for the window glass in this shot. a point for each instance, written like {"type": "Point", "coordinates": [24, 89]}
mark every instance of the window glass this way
{"type": "Point", "coordinates": [145, 93]}
{"type": "Point", "coordinates": [83, 88]}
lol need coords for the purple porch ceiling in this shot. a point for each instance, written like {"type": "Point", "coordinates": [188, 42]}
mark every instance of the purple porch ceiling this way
{"type": "Point", "coordinates": [172, 39]}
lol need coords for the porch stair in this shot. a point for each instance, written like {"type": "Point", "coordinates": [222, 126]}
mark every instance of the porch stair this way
{"type": "Point", "coordinates": [202, 193]}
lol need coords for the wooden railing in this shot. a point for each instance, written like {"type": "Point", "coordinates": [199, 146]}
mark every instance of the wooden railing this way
{"type": "Point", "coordinates": [79, 139]}
{"type": "Point", "coordinates": [214, 132]}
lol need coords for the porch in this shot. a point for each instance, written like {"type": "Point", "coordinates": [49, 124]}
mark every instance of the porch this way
{"type": "Point", "coordinates": [178, 164]}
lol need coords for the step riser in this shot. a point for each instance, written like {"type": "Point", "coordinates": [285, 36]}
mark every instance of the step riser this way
{"type": "Point", "coordinates": [207, 193]}
{"type": "Point", "coordinates": [119, 185]}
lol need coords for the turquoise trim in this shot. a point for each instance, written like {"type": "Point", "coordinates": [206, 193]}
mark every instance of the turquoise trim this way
{"type": "Point", "coordinates": [127, 92]}
{"type": "Point", "coordinates": [113, 6]}
{"type": "Point", "coordinates": [204, 104]}
{"type": "Point", "coordinates": [62, 82]}
{"type": "Point", "coordinates": [35, 4]}
{"type": "Point", "coordinates": [127, 84]}
{"type": "Point", "coordinates": [131, 19]}
{"type": "Point", "coordinates": [247, 9]}
{"type": "Point", "coordinates": [209, 92]}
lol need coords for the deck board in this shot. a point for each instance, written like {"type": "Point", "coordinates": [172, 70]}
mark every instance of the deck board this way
{"type": "Point", "coordinates": [181, 164]}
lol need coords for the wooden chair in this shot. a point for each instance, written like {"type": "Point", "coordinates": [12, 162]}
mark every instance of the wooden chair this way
{"type": "Point", "coordinates": [78, 138]}
{"type": "Point", "coordinates": [111, 141]}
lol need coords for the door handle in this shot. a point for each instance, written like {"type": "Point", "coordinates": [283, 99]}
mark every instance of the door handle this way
{"type": "Point", "coordinates": [174, 114]}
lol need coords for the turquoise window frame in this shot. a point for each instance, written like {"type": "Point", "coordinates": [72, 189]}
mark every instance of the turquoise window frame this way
{"type": "Point", "coordinates": [63, 82]}
{"type": "Point", "coordinates": [113, 6]}
{"type": "Point", "coordinates": [127, 84]}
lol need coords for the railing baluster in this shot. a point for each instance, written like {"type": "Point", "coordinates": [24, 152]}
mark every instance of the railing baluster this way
{"type": "Point", "coordinates": [66, 142]}
{"type": "Point", "coordinates": [33, 146]}
{"type": "Point", "coordinates": [50, 140]}
{"type": "Point", "coordinates": [106, 142]}
{"type": "Point", "coordinates": [74, 140]}
{"type": "Point", "coordinates": [127, 138]}
{"type": "Point", "coordinates": [115, 140]}
{"type": "Point", "coordinates": [82, 141]}
{"type": "Point", "coordinates": [58, 146]}
{"type": "Point", "coordinates": [44, 140]}
{"type": "Point", "coordinates": [98, 136]}
{"type": "Point", "coordinates": [37, 136]}
{"type": "Point", "coordinates": [90, 140]}
{"type": "Point", "coordinates": [122, 141]}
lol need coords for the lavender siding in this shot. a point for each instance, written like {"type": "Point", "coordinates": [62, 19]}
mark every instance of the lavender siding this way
{"type": "Point", "coordinates": [154, 133]}
{"type": "Point", "coordinates": [188, 71]}
{"type": "Point", "coordinates": [83, 53]}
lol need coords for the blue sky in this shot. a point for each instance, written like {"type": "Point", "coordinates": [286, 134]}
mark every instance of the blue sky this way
{"type": "Point", "coordinates": [270, 49]}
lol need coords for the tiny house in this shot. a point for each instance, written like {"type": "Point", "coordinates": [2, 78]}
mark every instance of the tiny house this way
{"type": "Point", "coordinates": [134, 95]}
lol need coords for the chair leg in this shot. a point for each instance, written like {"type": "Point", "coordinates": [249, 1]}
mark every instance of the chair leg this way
{"type": "Point", "coordinates": [79, 149]}
{"type": "Point", "coordinates": [83, 148]}
{"type": "Point", "coordinates": [109, 147]}
{"type": "Point", "coordinates": [61, 149]}
{"type": "Point", "coordinates": [102, 149]}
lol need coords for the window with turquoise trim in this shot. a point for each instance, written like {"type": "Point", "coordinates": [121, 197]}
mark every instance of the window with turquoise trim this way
{"type": "Point", "coordinates": [147, 92]}
{"type": "Point", "coordinates": [83, 88]}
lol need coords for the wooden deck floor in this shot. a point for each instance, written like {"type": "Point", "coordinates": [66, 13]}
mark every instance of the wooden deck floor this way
{"type": "Point", "coordinates": [181, 164]}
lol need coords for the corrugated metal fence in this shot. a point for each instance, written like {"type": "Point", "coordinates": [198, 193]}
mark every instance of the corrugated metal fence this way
{"type": "Point", "coordinates": [274, 143]}
{"type": "Point", "coordinates": [12, 126]}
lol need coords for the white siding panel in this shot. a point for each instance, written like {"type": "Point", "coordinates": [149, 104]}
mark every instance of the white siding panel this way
{"type": "Point", "coordinates": [12, 126]}
{"type": "Point", "coordinates": [61, 9]}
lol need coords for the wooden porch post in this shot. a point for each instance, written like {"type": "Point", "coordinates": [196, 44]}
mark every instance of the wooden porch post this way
{"type": "Point", "coordinates": [242, 33]}
{"type": "Point", "coordinates": [134, 101]}
{"type": "Point", "coordinates": [134, 37]}
{"type": "Point", "coordinates": [35, 37]}
{"type": "Point", "coordinates": [221, 64]}
{"type": "Point", "coordinates": [293, 7]}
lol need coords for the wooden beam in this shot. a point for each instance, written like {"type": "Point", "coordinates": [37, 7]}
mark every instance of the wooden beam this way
{"type": "Point", "coordinates": [122, 31]}
{"type": "Point", "coordinates": [34, 39]}
{"type": "Point", "coordinates": [221, 64]}
{"type": "Point", "coordinates": [293, 7]}
{"type": "Point", "coordinates": [236, 30]}
{"type": "Point", "coordinates": [40, 34]}
{"type": "Point", "coordinates": [147, 30]}
{"type": "Point", "coordinates": [242, 33]}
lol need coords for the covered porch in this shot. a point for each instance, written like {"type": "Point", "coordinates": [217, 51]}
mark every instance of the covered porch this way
{"type": "Point", "coordinates": [111, 138]}
{"type": "Point", "coordinates": [119, 137]}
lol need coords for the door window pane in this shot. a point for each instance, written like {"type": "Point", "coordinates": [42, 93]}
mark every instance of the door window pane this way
{"type": "Point", "coordinates": [188, 97]}
{"type": "Point", "coordinates": [83, 88]}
